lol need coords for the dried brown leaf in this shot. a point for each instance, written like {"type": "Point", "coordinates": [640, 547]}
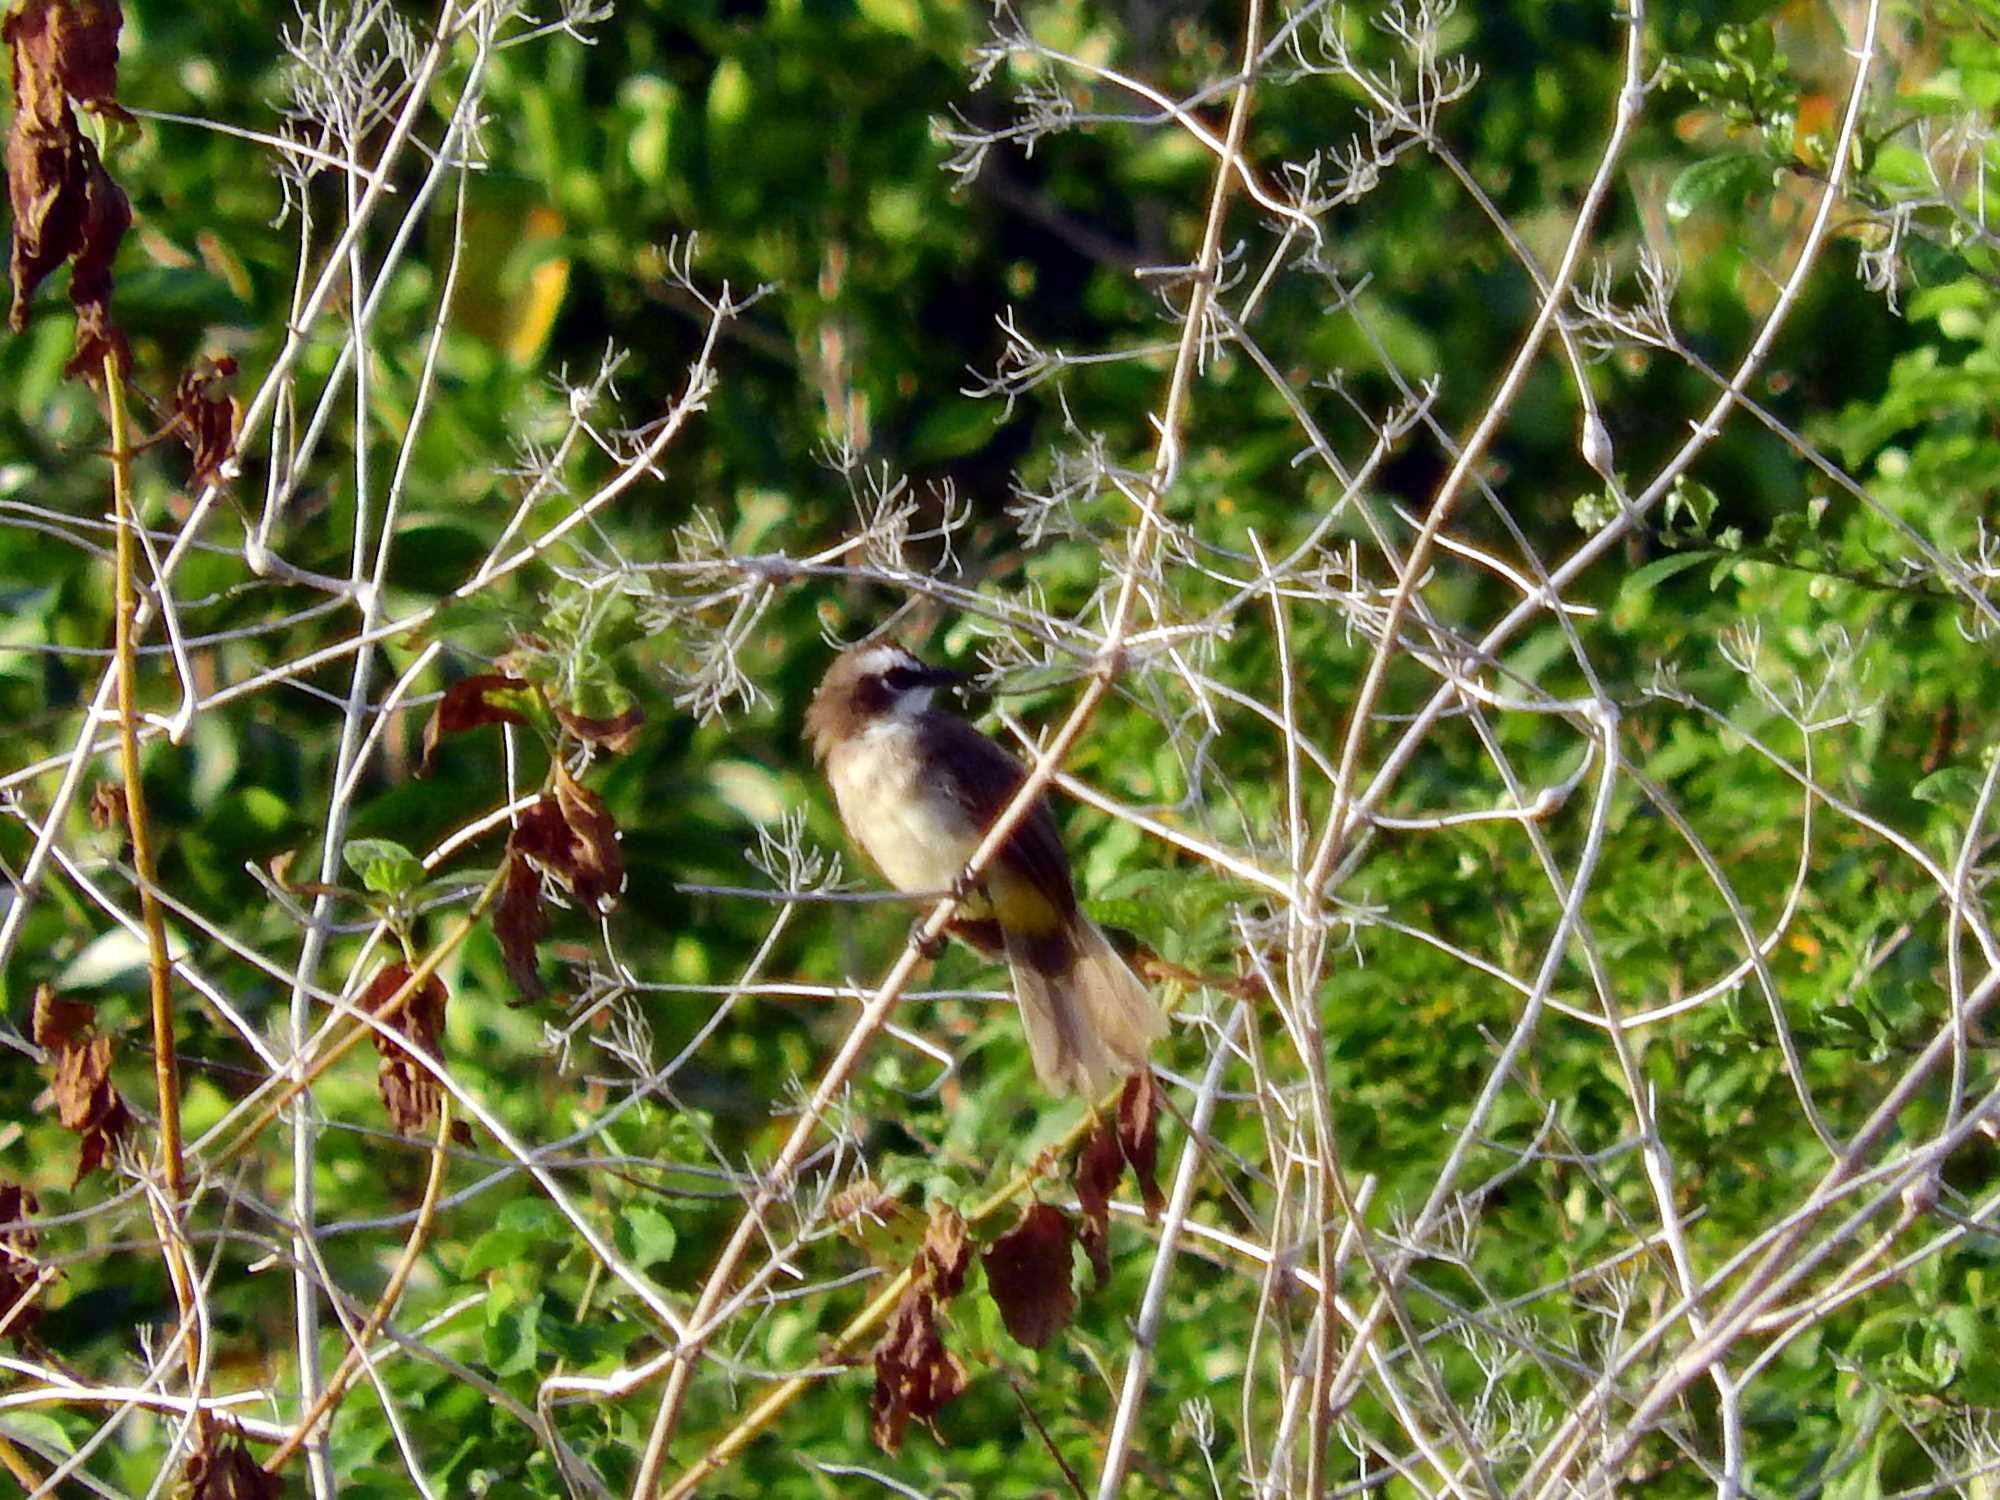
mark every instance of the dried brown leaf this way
{"type": "Point", "coordinates": [1098, 1167]}
{"type": "Point", "coordinates": [542, 834]}
{"type": "Point", "coordinates": [279, 867]}
{"type": "Point", "coordinates": [409, 1092]}
{"type": "Point", "coordinates": [19, 1270]}
{"type": "Point", "coordinates": [915, 1375]}
{"type": "Point", "coordinates": [85, 38]}
{"type": "Point", "coordinates": [106, 215]}
{"type": "Point", "coordinates": [864, 1198]}
{"type": "Point", "coordinates": [613, 734]}
{"type": "Point", "coordinates": [1139, 1136]}
{"type": "Point", "coordinates": [519, 922]}
{"type": "Point", "coordinates": [470, 704]}
{"type": "Point", "coordinates": [83, 1068]}
{"type": "Point", "coordinates": [208, 416]}
{"type": "Point", "coordinates": [882, 1226]}
{"type": "Point", "coordinates": [107, 806]}
{"type": "Point", "coordinates": [66, 207]}
{"type": "Point", "coordinates": [224, 1470]}
{"type": "Point", "coordinates": [947, 1252]}
{"type": "Point", "coordinates": [572, 836]}
{"type": "Point", "coordinates": [58, 1022]}
{"type": "Point", "coordinates": [86, 1100]}
{"type": "Point", "coordinates": [1028, 1273]}
{"type": "Point", "coordinates": [44, 156]}
{"type": "Point", "coordinates": [596, 869]}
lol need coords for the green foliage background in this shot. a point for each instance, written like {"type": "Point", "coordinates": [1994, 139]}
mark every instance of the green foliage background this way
{"type": "Point", "coordinates": [1799, 654]}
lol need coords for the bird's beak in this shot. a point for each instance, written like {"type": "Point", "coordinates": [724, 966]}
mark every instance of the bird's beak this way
{"type": "Point", "coordinates": [940, 677]}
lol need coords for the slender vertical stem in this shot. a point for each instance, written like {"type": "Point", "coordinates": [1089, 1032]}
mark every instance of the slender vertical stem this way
{"type": "Point", "coordinates": [16, 1463]}
{"type": "Point", "coordinates": [166, 1060]}
{"type": "Point", "coordinates": [384, 1305]}
{"type": "Point", "coordinates": [1152, 1310]}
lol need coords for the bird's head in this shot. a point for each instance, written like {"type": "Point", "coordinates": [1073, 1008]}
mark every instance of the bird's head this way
{"type": "Point", "coordinates": [868, 684]}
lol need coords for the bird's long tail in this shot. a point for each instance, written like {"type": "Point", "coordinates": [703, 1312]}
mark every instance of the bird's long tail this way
{"type": "Point", "coordinates": [1088, 1017]}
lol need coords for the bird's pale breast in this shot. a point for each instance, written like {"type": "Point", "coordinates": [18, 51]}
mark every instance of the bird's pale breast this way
{"type": "Point", "coordinates": [917, 833]}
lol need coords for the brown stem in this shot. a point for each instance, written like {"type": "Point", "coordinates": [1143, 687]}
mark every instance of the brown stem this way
{"type": "Point", "coordinates": [16, 1463]}
{"type": "Point", "coordinates": [166, 1062]}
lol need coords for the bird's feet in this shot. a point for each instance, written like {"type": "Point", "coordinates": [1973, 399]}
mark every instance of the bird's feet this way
{"type": "Point", "coordinates": [928, 948]}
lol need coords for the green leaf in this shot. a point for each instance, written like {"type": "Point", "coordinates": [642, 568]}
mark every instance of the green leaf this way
{"type": "Point", "coordinates": [513, 1334]}
{"type": "Point", "coordinates": [1659, 570]}
{"type": "Point", "coordinates": [471, 1444]}
{"type": "Point", "coordinates": [646, 1236]}
{"type": "Point", "coordinates": [1720, 181]}
{"type": "Point", "coordinates": [531, 1216]}
{"type": "Point", "coordinates": [951, 428]}
{"type": "Point", "coordinates": [35, 1427]}
{"type": "Point", "coordinates": [1694, 500]}
{"type": "Point", "coordinates": [386, 867]}
{"type": "Point", "coordinates": [494, 1249]}
{"type": "Point", "coordinates": [1954, 786]}
{"type": "Point", "coordinates": [1594, 511]}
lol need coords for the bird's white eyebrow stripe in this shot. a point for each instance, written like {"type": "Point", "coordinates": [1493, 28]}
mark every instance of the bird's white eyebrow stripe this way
{"type": "Point", "coordinates": [879, 659]}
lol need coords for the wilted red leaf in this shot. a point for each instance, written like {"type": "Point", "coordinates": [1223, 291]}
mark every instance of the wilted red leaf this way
{"type": "Point", "coordinates": [408, 1090]}
{"type": "Point", "coordinates": [614, 734]}
{"type": "Point", "coordinates": [208, 416]}
{"type": "Point", "coordinates": [915, 1375]}
{"type": "Point", "coordinates": [571, 835]}
{"type": "Point", "coordinates": [60, 1023]}
{"type": "Point", "coordinates": [66, 207]}
{"type": "Point", "coordinates": [519, 924]}
{"type": "Point", "coordinates": [107, 214]}
{"type": "Point", "coordinates": [596, 870]}
{"type": "Point", "coordinates": [44, 156]}
{"type": "Point", "coordinates": [86, 1101]}
{"type": "Point", "coordinates": [1027, 1270]}
{"type": "Point", "coordinates": [542, 834]}
{"type": "Point", "coordinates": [82, 1069]}
{"type": "Point", "coordinates": [224, 1470]}
{"type": "Point", "coordinates": [83, 39]}
{"type": "Point", "coordinates": [19, 1271]}
{"type": "Point", "coordinates": [470, 704]}
{"type": "Point", "coordinates": [1139, 1136]}
{"type": "Point", "coordinates": [1098, 1167]}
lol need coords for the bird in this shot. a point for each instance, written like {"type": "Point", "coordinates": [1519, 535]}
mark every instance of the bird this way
{"type": "Point", "coordinates": [918, 787]}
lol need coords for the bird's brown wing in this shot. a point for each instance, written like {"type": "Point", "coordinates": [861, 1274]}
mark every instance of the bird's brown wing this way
{"type": "Point", "coordinates": [986, 780]}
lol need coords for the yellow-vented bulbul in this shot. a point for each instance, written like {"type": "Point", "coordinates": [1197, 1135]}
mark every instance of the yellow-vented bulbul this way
{"type": "Point", "coordinates": [918, 788]}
